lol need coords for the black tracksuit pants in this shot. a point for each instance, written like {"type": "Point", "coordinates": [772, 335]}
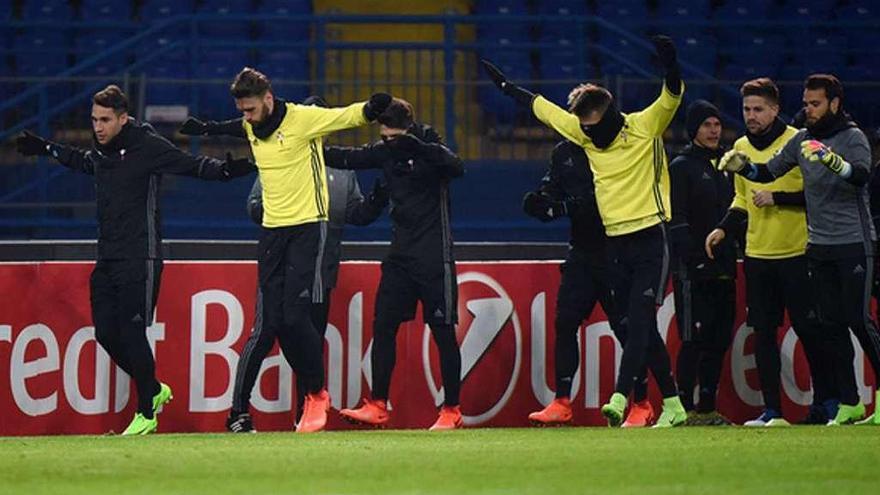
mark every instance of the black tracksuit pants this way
{"type": "Point", "coordinates": [639, 272]}
{"type": "Point", "coordinates": [842, 278]}
{"type": "Point", "coordinates": [290, 267]}
{"type": "Point", "coordinates": [256, 349]}
{"type": "Point", "coordinates": [584, 284]}
{"type": "Point", "coordinates": [705, 311]}
{"type": "Point", "coordinates": [123, 295]}
{"type": "Point", "coordinates": [772, 287]}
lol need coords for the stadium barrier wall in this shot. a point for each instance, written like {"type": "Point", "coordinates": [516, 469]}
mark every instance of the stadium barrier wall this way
{"type": "Point", "coordinates": [55, 379]}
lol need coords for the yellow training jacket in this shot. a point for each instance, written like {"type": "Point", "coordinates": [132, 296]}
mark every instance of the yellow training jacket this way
{"type": "Point", "coordinates": [631, 176]}
{"type": "Point", "coordinates": [291, 162]}
{"type": "Point", "coordinates": [774, 232]}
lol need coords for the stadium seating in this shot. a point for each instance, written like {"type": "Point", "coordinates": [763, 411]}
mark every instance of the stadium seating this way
{"type": "Point", "coordinates": [106, 10]}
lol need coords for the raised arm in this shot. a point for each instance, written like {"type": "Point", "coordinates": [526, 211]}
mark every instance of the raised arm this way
{"type": "Point", "coordinates": [29, 144]}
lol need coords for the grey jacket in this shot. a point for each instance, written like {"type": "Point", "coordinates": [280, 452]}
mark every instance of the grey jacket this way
{"type": "Point", "coordinates": [838, 211]}
{"type": "Point", "coordinates": [347, 206]}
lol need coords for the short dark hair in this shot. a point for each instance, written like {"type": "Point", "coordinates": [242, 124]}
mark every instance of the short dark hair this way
{"type": "Point", "coordinates": [832, 85]}
{"type": "Point", "coordinates": [586, 99]}
{"type": "Point", "coordinates": [763, 87]}
{"type": "Point", "coordinates": [112, 97]}
{"type": "Point", "coordinates": [250, 82]}
{"type": "Point", "coordinates": [398, 115]}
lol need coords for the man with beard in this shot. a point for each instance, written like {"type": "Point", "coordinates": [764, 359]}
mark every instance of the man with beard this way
{"type": "Point", "coordinates": [835, 159]}
{"type": "Point", "coordinates": [347, 206]}
{"type": "Point", "coordinates": [127, 160]}
{"type": "Point", "coordinates": [705, 289]}
{"type": "Point", "coordinates": [420, 265]}
{"type": "Point", "coordinates": [632, 190]}
{"type": "Point", "coordinates": [286, 140]}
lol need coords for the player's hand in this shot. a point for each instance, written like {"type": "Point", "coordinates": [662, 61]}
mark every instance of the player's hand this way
{"type": "Point", "coordinates": [29, 144]}
{"type": "Point", "coordinates": [237, 167]}
{"type": "Point", "coordinates": [815, 151]}
{"type": "Point", "coordinates": [194, 127]}
{"type": "Point", "coordinates": [495, 74]}
{"type": "Point", "coordinates": [379, 194]}
{"type": "Point", "coordinates": [376, 105]}
{"type": "Point", "coordinates": [762, 198]}
{"type": "Point", "coordinates": [713, 239]}
{"type": "Point", "coordinates": [733, 161]}
{"type": "Point", "coordinates": [665, 51]}
{"type": "Point", "coordinates": [542, 207]}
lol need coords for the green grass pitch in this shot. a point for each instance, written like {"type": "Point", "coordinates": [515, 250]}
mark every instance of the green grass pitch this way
{"type": "Point", "coordinates": [799, 461]}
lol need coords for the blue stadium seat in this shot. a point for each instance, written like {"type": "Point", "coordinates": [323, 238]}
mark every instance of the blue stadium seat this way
{"type": "Point", "coordinates": [106, 10]}
{"type": "Point", "coordinates": [699, 51]}
{"type": "Point", "coordinates": [563, 7]}
{"type": "Point", "coordinates": [92, 43]}
{"type": "Point", "coordinates": [611, 48]}
{"type": "Point", "coordinates": [285, 30]}
{"type": "Point", "coordinates": [858, 10]}
{"type": "Point", "coordinates": [214, 99]}
{"type": "Point", "coordinates": [59, 10]}
{"type": "Point", "coordinates": [159, 10]}
{"type": "Point", "coordinates": [5, 11]}
{"type": "Point", "coordinates": [503, 33]}
{"type": "Point", "coordinates": [792, 94]}
{"type": "Point", "coordinates": [623, 12]}
{"type": "Point", "coordinates": [769, 49]}
{"type": "Point", "coordinates": [45, 50]}
{"type": "Point", "coordinates": [226, 30]}
{"type": "Point", "coordinates": [166, 93]}
{"type": "Point", "coordinates": [684, 10]}
{"type": "Point", "coordinates": [821, 53]}
{"type": "Point", "coordinates": [179, 55]}
{"type": "Point", "coordinates": [289, 72]}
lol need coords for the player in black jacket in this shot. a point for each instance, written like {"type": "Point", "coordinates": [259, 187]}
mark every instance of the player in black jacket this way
{"type": "Point", "coordinates": [128, 159]}
{"type": "Point", "coordinates": [705, 289]}
{"type": "Point", "coordinates": [567, 190]}
{"type": "Point", "coordinates": [420, 265]}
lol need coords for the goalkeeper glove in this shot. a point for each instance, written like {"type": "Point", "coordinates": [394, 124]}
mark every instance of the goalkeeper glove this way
{"type": "Point", "coordinates": [733, 161]}
{"type": "Point", "coordinates": [815, 151]}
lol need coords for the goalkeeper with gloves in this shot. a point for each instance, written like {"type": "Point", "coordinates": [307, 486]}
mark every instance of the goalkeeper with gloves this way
{"type": "Point", "coordinates": [835, 159]}
{"type": "Point", "coordinates": [632, 191]}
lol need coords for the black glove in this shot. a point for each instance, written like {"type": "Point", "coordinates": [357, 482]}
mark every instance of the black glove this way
{"type": "Point", "coordinates": [29, 144]}
{"type": "Point", "coordinates": [665, 51]}
{"type": "Point", "coordinates": [543, 208]}
{"type": "Point", "coordinates": [521, 95]}
{"type": "Point", "coordinates": [403, 165]}
{"type": "Point", "coordinates": [194, 127]}
{"type": "Point", "coordinates": [379, 195]}
{"type": "Point", "coordinates": [376, 105]}
{"type": "Point", "coordinates": [237, 167]}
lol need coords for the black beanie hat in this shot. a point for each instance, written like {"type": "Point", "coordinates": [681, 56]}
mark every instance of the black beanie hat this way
{"type": "Point", "coordinates": [697, 113]}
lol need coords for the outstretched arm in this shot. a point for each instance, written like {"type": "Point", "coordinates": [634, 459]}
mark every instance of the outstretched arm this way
{"type": "Point", "coordinates": [353, 157]}
{"type": "Point", "coordinates": [171, 159]}
{"type": "Point", "coordinates": [29, 144]}
{"type": "Point", "coordinates": [195, 127]}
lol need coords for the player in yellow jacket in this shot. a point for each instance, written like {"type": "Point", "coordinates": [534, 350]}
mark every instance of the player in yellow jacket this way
{"type": "Point", "coordinates": [777, 278]}
{"type": "Point", "coordinates": [286, 140]}
{"type": "Point", "coordinates": [632, 190]}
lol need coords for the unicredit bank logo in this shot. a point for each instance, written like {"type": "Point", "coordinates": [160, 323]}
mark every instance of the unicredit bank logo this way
{"type": "Point", "coordinates": [490, 338]}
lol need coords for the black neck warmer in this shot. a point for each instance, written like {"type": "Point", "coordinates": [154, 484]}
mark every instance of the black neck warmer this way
{"type": "Point", "coordinates": [265, 128]}
{"type": "Point", "coordinates": [602, 133]}
{"type": "Point", "coordinates": [765, 139]}
{"type": "Point", "coordinates": [830, 124]}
